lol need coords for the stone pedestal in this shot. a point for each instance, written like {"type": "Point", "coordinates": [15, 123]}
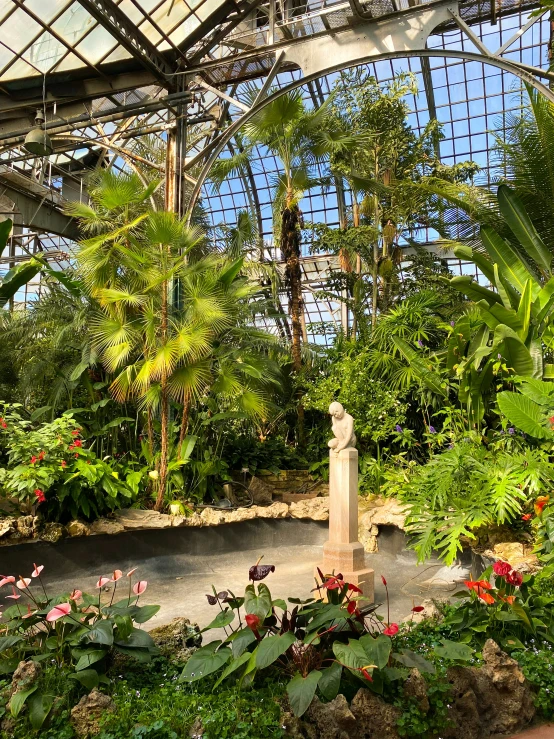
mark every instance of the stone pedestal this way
{"type": "Point", "coordinates": [343, 552]}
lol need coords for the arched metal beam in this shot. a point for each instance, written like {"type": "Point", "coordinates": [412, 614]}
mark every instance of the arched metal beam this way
{"type": "Point", "coordinates": [508, 66]}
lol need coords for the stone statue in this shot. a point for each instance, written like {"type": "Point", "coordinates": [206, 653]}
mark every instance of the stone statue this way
{"type": "Point", "coordinates": [343, 428]}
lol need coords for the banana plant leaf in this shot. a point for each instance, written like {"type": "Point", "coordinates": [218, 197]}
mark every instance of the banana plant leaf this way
{"type": "Point", "coordinates": [511, 264]}
{"type": "Point", "coordinates": [18, 276]}
{"type": "Point", "coordinates": [5, 231]}
{"type": "Point", "coordinates": [513, 351]}
{"type": "Point", "coordinates": [522, 227]}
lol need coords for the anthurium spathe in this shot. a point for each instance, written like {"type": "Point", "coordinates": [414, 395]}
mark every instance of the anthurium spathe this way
{"type": "Point", "coordinates": [6, 580]}
{"type": "Point", "coordinates": [59, 611]}
{"type": "Point", "coordinates": [139, 587]}
{"type": "Point", "coordinates": [103, 580]}
{"type": "Point", "coordinates": [37, 569]}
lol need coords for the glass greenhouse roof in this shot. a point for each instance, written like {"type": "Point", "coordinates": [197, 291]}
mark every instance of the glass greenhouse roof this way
{"type": "Point", "coordinates": [46, 36]}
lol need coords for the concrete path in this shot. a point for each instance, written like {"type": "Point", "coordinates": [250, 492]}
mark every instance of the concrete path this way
{"type": "Point", "coordinates": [539, 732]}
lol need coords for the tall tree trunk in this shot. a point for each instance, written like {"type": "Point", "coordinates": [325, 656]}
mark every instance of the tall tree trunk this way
{"type": "Point", "coordinates": [375, 270]}
{"type": "Point", "coordinates": [356, 307]}
{"type": "Point", "coordinates": [290, 248]}
{"type": "Point", "coordinates": [164, 436]}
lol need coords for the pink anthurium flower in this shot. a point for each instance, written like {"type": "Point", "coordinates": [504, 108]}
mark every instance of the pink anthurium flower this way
{"type": "Point", "coordinates": [14, 595]}
{"type": "Point", "coordinates": [38, 569]}
{"type": "Point", "coordinates": [29, 612]}
{"type": "Point", "coordinates": [140, 587]}
{"type": "Point", "coordinates": [131, 572]}
{"type": "Point", "coordinates": [59, 611]}
{"type": "Point", "coordinates": [102, 581]}
{"type": "Point", "coordinates": [75, 595]}
{"type": "Point", "coordinates": [6, 580]}
{"type": "Point", "coordinates": [23, 582]}
{"type": "Point", "coordinates": [117, 574]}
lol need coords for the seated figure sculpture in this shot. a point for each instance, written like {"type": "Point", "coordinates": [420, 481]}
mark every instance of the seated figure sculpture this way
{"type": "Point", "coordinates": [343, 428]}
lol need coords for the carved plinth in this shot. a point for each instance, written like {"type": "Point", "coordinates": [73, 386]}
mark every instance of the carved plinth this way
{"type": "Point", "coordinates": [343, 552]}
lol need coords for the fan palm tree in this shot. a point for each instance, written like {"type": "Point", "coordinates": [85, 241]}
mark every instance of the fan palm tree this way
{"type": "Point", "coordinates": [163, 317]}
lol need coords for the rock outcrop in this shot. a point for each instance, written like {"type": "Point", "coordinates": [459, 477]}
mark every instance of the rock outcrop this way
{"type": "Point", "coordinates": [317, 509]}
{"type": "Point", "coordinates": [86, 715]}
{"type": "Point", "coordinates": [375, 512]}
{"type": "Point", "coordinates": [178, 639]}
{"type": "Point", "coordinates": [138, 518]}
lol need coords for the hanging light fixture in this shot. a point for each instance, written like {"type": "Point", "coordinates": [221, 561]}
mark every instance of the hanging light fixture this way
{"type": "Point", "coordinates": [37, 140]}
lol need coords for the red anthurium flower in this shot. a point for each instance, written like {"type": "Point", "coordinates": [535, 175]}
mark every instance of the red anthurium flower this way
{"type": "Point", "coordinates": [23, 582]}
{"type": "Point", "coordinates": [353, 588]}
{"type": "Point", "coordinates": [102, 581]}
{"type": "Point", "coordinates": [75, 595]}
{"type": "Point", "coordinates": [77, 455]}
{"type": "Point", "coordinates": [508, 599]}
{"type": "Point", "coordinates": [139, 587]}
{"type": "Point", "coordinates": [540, 503]}
{"type": "Point", "coordinates": [42, 455]}
{"type": "Point", "coordinates": [383, 581]}
{"type": "Point", "coordinates": [41, 498]}
{"type": "Point", "coordinates": [487, 597]}
{"type": "Point", "coordinates": [77, 443]}
{"type": "Point", "coordinates": [551, 419]}
{"type": "Point", "coordinates": [5, 580]}
{"type": "Point", "coordinates": [37, 570]}
{"type": "Point", "coordinates": [14, 595]}
{"type": "Point", "coordinates": [63, 463]}
{"type": "Point", "coordinates": [59, 611]}
{"type": "Point", "coordinates": [418, 609]}
{"type": "Point", "coordinates": [514, 578]}
{"type": "Point", "coordinates": [366, 674]}
{"type": "Point", "coordinates": [75, 432]}
{"type": "Point", "coordinates": [501, 568]}
{"type": "Point", "coordinates": [527, 517]}
{"type": "Point", "coordinates": [117, 574]}
{"type": "Point", "coordinates": [33, 459]}
{"type": "Point", "coordinates": [3, 424]}
{"type": "Point", "coordinates": [252, 621]}
{"type": "Point", "coordinates": [478, 585]}
{"type": "Point", "coordinates": [351, 607]}
{"type": "Point", "coordinates": [391, 630]}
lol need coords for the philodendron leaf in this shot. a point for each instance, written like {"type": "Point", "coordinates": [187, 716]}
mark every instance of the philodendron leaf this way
{"type": "Point", "coordinates": [92, 656]}
{"type": "Point", "coordinates": [411, 659]}
{"type": "Point", "coordinates": [39, 708]}
{"type": "Point", "coordinates": [350, 655]}
{"type": "Point", "coordinates": [18, 699]}
{"type": "Point", "coordinates": [454, 651]}
{"type": "Point", "coordinates": [377, 650]}
{"type": "Point", "coordinates": [258, 604]}
{"type": "Point", "coordinates": [273, 647]}
{"type": "Point", "coordinates": [223, 618]}
{"type": "Point", "coordinates": [301, 691]}
{"type": "Point", "coordinates": [232, 666]}
{"type": "Point", "coordinates": [102, 633]}
{"type": "Point", "coordinates": [205, 661]}
{"type": "Point", "coordinates": [524, 413]}
{"type": "Point", "coordinates": [242, 640]}
{"type": "Point", "coordinates": [87, 678]}
{"type": "Point", "coordinates": [329, 682]}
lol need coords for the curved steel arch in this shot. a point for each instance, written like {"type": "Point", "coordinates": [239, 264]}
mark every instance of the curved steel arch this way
{"type": "Point", "coordinates": [507, 66]}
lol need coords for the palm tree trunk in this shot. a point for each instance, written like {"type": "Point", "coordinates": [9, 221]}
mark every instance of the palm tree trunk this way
{"type": "Point", "coordinates": [356, 307]}
{"type": "Point", "coordinates": [164, 440]}
{"type": "Point", "coordinates": [290, 249]}
{"type": "Point", "coordinates": [375, 270]}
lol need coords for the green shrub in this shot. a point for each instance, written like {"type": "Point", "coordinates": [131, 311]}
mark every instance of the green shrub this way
{"type": "Point", "coordinates": [538, 667]}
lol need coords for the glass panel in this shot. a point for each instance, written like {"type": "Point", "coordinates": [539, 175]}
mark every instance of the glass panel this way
{"type": "Point", "coordinates": [5, 7]}
{"type": "Point", "coordinates": [131, 11]}
{"type": "Point", "coordinates": [168, 20]}
{"type": "Point", "coordinates": [96, 45]}
{"type": "Point", "coordinates": [19, 30]}
{"type": "Point", "coordinates": [18, 70]}
{"type": "Point", "coordinates": [45, 52]}
{"type": "Point", "coordinates": [186, 28]}
{"type": "Point", "coordinates": [73, 24]}
{"type": "Point", "coordinates": [69, 62]}
{"type": "Point", "coordinates": [46, 9]}
{"type": "Point", "coordinates": [117, 55]}
{"type": "Point", "coordinates": [207, 8]}
{"type": "Point", "coordinates": [150, 32]}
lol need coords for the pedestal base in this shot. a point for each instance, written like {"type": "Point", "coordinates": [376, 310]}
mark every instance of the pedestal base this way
{"type": "Point", "coordinates": [348, 560]}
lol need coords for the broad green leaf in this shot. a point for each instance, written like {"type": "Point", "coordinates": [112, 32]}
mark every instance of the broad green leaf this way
{"type": "Point", "coordinates": [470, 255]}
{"type": "Point", "coordinates": [102, 633]}
{"type": "Point", "coordinates": [223, 618]}
{"type": "Point", "coordinates": [92, 656]}
{"type": "Point", "coordinates": [39, 707]}
{"type": "Point", "coordinates": [351, 655]}
{"type": "Point", "coordinates": [258, 604]}
{"type": "Point", "coordinates": [17, 701]}
{"type": "Point", "coordinates": [205, 661]}
{"type": "Point", "coordinates": [513, 351]}
{"type": "Point", "coordinates": [523, 413]}
{"type": "Point", "coordinates": [377, 650]}
{"type": "Point", "coordinates": [145, 613]}
{"type": "Point", "coordinates": [329, 682]}
{"type": "Point", "coordinates": [242, 640]}
{"type": "Point", "coordinates": [301, 691]}
{"type": "Point", "coordinates": [454, 651]}
{"type": "Point", "coordinates": [511, 265]}
{"type": "Point", "coordinates": [232, 667]}
{"type": "Point", "coordinates": [272, 647]}
{"type": "Point", "coordinates": [6, 642]}
{"type": "Point", "coordinates": [5, 231]}
{"type": "Point", "coordinates": [522, 227]}
{"type": "Point", "coordinates": [87, 678]}
{"type": "Point", "coordinates": [411, 659]}
{"type": "Point", "coordinates": [473, 290]}
{"type": "Point", "coordinates": [18, 276]}
{"type": "Point", "coordinates": [429, 378]}
{"type": "Point", "coordinates": [524, 311]}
